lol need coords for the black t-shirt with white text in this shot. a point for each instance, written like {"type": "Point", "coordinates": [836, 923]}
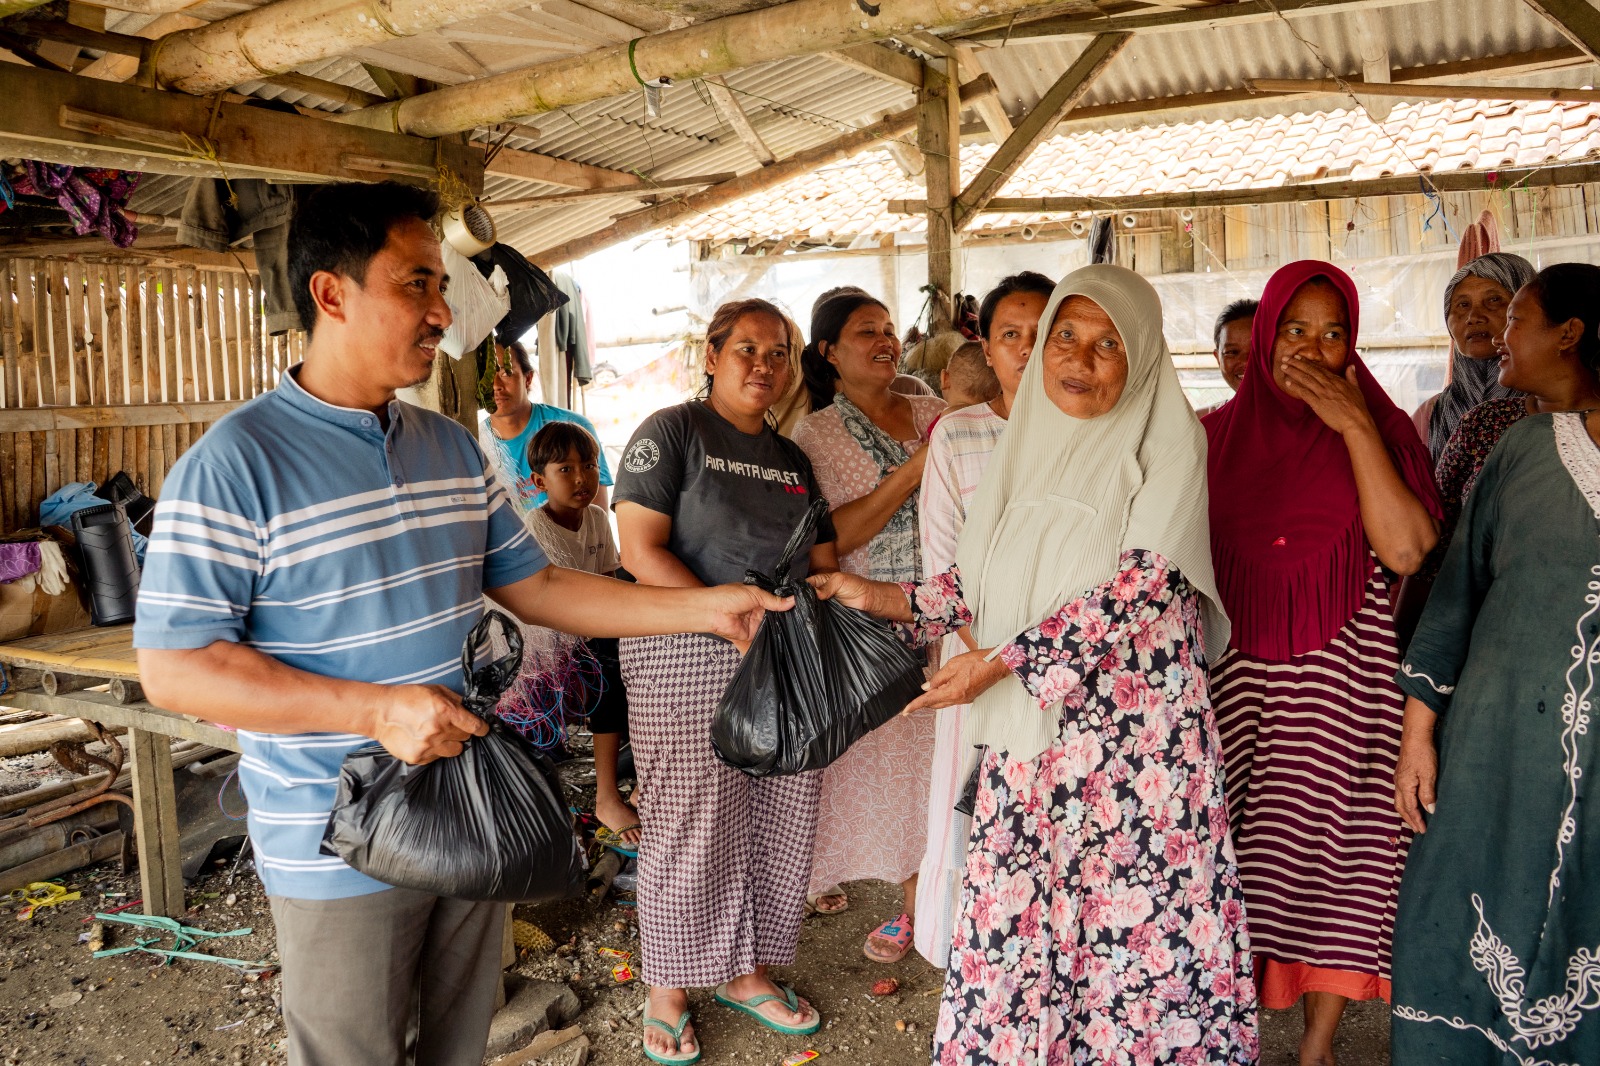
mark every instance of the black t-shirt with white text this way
{"type": "Point", "coordinates": [734, 498]}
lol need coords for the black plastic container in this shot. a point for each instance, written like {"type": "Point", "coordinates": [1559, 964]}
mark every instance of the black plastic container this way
{"type": "Point", "coordinates": [110, 570]}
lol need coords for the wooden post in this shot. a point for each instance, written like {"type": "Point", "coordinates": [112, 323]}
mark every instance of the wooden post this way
{"type": "Point", "coordinates": [155, 816]}
{"type": "Point", "coordinates": [939, 138]}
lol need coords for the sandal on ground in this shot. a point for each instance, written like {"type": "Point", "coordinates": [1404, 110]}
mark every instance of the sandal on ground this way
{"type": "Point", "coordinates": [681, 1057]}
{"type": "Point", "coordinates": [814, 903]}
{"type": "Point", "coordinates": [787, 997]}
{"type": "Point", "coordinates": [612, 838]}
{"type": "Point", "coordinates": [895, 934]}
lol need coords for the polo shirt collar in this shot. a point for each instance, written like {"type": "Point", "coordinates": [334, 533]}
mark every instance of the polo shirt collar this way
{"type": "Point", "coordinates": [352, 418]}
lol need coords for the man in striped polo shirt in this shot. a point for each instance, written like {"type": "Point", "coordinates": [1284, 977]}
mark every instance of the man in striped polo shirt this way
{"type": "Point", "coordinates": [317, 560]}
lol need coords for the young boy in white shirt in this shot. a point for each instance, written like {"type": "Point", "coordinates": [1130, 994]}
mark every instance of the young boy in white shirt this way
{"type": "Point", "coordinates": [575, 532]}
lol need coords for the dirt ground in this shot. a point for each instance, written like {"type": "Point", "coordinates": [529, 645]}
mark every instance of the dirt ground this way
{"type": "Point", "coordinates": [59, 1005]}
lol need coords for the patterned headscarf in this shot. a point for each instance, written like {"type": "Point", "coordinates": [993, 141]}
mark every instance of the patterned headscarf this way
{"type": "Point", "coordinates": [1473, 381]}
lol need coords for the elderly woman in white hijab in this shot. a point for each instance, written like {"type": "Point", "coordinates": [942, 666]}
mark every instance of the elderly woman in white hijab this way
{"type": "Point", "coordinates": [1101, 909]}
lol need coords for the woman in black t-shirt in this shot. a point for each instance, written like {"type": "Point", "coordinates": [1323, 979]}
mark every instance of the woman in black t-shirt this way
{"type": "Point", "coordinates": [708, 490]}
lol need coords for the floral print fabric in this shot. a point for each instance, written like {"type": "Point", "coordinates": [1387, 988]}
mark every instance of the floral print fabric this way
{"type": "Point", "coordinates": [1462, 461]}
{"type": "Point", "coordinates": [1102, 919]}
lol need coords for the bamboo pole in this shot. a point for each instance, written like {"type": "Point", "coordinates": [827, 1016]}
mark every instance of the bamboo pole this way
{"type": "Point", "coordinates": [280, 36]}
{"type": "Point", "coordinates": [800, 27]}
{"type": "Point", "coordinates": [896, 125]}
{"type": "Point", "coordinates": [1441, 181]}
{"type": "Point", "coordinates": [10, 391]}
{"type": "Point", "coordinates": [1425, 92]}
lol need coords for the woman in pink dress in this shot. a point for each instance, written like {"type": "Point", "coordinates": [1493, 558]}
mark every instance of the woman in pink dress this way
{"type": "Point", "coordinates": [865, 443]}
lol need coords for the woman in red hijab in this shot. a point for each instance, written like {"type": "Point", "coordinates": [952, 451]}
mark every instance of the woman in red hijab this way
{"type": "Point", "coordinates": [1321, 494]}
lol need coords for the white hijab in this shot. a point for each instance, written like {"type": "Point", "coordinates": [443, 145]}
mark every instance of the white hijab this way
{"type": "Point", "coordinates": [1063, 497]}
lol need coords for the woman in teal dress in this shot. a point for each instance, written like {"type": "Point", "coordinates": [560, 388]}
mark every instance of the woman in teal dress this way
{"type": "Point", "coordinates": [1497, 941]}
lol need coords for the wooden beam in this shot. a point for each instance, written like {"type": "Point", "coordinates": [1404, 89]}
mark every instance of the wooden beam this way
{"type": "Point", "coordinates": [1041, 121]}
{"type": "Point", "coordinates": [112, 67]}
{"type": "Point", "coordinates": [1162, 20]}
{"type": "Point", "coordinates": [651, 218]}
{"type": "Point", "coordinates": [1566, 174]}
{"type": "Point", "coordinates": [394, 85]}
{"type": "Point", "coordinates": [1578, 20]}
{"type": "Point", "coordinates": [1427, 92]}
{"type": "Point", "coordinates": [716, 46]}
{"type": "Point", "coordinates": [733, 114]}
{"type": "Point", "coordinates": [47, 419]}
{"type": "Point", "coordinates": [552, 170]}
{"type": "Point", "coordinates": [20, 48]}
{"type": "Point", "coordinates": [929, 44]}
{"type": "Point", "coordinates": [989, 108]}
{"type": "Point", "coordinates": [649, 187]}
{"type": "Point", "coordinates": [286, 34]}
{"type": "Point", "coordinates": [881, 62]}
{"type": "Point", "coordinates": [939, 138]}
{"type": "Point", "coordinates": [123, 44]}
{"type": "Point", "coordinates": [1543, 59]}
{"type": "Point", "coordinates": [60, 118]}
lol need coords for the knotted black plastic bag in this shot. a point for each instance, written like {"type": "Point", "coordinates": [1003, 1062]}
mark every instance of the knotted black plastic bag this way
{"type": "Point", "coordinates": [489, 824]}
{"type": "Point", "coordinates": [817, 678]}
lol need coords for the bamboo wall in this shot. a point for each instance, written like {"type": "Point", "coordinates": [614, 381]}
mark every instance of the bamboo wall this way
{"type": "Point", "coordinates": [112, 367]}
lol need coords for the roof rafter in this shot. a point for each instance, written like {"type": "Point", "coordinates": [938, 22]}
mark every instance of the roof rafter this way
{"type": "Point", "coordinates": [717, 46]}
{"type": "Point", "coordinates": [734, 115]}
{"type": "Point", "coordinates": [1578, 20]}
{"type": "Point", "coordinates": [1237, 14]}
{"type": "Point", "coordinates": [1031, 132]}
{"type": "Point", "coordinates": [1442, 181]}
{"type": "Point", "coordinates": [896, 125]}
{"type": "Point", "coordinates": [62, 118]}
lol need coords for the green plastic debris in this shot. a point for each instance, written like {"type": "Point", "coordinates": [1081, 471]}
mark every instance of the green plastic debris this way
{"type": "Point", "coordinates": [184, 939]}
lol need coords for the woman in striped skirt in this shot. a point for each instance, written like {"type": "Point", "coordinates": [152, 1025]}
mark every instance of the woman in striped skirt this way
{"type": "Point", "coordinates": [1321, 493]}
{"type": "Point", "coordinates": [708, 490]}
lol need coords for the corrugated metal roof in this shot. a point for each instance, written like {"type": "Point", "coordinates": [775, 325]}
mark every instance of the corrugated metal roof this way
{"type": "Point", "coordinates": [1156, 65]}
{"type": "Point", "coordinates": [800, 102]}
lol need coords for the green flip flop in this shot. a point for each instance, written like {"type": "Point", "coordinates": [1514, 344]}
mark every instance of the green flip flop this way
{"type": "Point", "coordinates": [788, 999]}
{"type": "Point", "coordinates": [682, 1058]}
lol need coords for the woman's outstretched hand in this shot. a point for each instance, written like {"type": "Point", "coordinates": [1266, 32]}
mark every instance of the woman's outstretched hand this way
{"type": "Point", "coordinates": [882, 599]}
{"type": "Point", "coordinates": [961, 680]}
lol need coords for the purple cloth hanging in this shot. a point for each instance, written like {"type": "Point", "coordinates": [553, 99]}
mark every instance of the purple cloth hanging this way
{"type": "Point", "coordinates": [94, 199]}
{"type": "Point", "coordinates": [19, 560]}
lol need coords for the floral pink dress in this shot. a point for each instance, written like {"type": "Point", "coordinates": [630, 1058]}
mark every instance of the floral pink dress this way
{"type": "Point", "coordinates": [1102, 919]}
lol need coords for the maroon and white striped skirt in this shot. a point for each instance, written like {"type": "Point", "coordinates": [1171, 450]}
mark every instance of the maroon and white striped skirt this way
{"type": "Point", "coordinates": [1311, 746]}
{"type": "Point", "coordinates": [724, 858]}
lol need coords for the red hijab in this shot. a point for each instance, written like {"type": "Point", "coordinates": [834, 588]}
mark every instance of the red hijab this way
{"type": "Point", "coordinates": [1291, 555]}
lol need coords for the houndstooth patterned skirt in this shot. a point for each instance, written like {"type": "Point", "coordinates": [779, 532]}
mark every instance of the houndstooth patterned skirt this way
{"type": "Point", "coordinates": [724, 858]}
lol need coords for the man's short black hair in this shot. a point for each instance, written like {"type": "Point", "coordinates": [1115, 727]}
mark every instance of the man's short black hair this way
{"type": "Point", "coordinates": [1232, 313]}
{"type": "Point", "coordinates": [339, 228]}
{"type": "Point", "coordinates": [555, 440]}
{"type": "Point", "coordinates": [1027, 281]}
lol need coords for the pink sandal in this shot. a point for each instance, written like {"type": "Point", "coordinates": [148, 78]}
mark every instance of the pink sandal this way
{"type": "Point", "coordinates": [895, 934]}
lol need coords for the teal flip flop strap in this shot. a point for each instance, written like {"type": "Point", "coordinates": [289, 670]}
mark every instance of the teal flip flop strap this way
{"type": "Point", "coordinates": [677, 1032]}
{"type": "Point", "coordinates": [789, 997]}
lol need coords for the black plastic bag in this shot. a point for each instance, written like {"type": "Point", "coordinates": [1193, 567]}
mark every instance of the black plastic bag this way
{"type": "Point", "coordinates": [489, 824]}
{"type": "Point", "coordinates": [817, 679]}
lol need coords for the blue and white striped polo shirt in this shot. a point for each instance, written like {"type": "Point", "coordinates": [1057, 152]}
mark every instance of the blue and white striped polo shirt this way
{"type": "Point", "coordinates": [307, 532]}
